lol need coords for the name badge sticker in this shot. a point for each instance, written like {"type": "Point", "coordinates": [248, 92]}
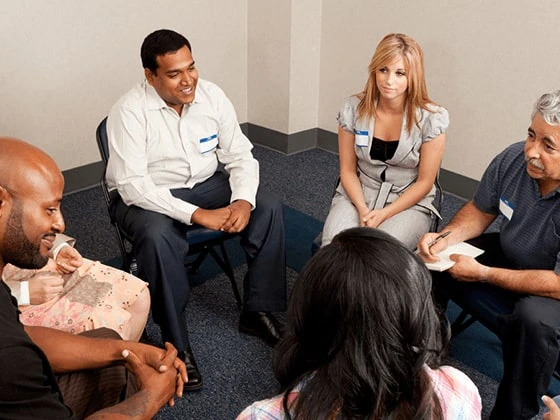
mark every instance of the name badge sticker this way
{"type": "Point", "coordinates": [208, 144]}
{"type": "Point", "coordinates": [506, 208]}
{"type": "Point", "coordinates": [361, 138]}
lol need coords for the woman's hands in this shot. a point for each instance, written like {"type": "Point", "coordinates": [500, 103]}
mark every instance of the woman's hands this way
{"type": "Point", "coordinates": [372, 218]}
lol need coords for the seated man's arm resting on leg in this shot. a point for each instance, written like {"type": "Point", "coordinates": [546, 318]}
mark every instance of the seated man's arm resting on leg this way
{"type": "Point", "coordinates": [239, 217]}
{"type": "Point", "coordinates": [211, 219]}
{"type": "Point", "coordinates": [155, 389]}
{"type": "Point", "coordinates": [468, 223]}
{"type": "Point", "coordinates": [471, 222]}
{"type": "Point", "coordinates": [68, 352]}
{"type": "Point", "coordinates": [532, 282]}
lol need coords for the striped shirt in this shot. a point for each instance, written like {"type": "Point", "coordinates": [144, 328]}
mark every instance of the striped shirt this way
{"type": "Point", "coordinates": [530, 239]}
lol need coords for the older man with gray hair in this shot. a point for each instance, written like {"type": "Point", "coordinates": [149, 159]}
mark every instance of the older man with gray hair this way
{"type": "Point", "coordinates": [519, 274]}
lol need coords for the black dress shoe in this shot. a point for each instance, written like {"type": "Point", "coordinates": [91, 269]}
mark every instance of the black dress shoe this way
{"type": "Point", "coordinates": [195, 379]}
{"type": "Point", "coordinates": [262, 325]}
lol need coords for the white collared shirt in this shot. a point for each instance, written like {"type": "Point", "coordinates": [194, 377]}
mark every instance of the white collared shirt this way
{"type": "Point", "coordinates": [152, 149]}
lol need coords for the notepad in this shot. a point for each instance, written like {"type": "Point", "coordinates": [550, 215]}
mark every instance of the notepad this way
{"type": "Point", "coordinates": [445, 263]}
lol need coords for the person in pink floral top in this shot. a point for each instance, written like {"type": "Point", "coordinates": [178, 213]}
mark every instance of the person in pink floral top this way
{"type": "Point", "coordinates": [364, 340]}
{"type": "Point", "coordinates": [74, 294]}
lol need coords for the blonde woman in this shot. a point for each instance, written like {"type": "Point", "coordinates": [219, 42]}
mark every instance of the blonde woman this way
{"type": "Point", "coordinates": [391, 139]}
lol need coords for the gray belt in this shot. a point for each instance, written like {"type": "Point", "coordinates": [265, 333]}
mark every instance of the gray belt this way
{"type": "Point", "coordinates": [382, 196]}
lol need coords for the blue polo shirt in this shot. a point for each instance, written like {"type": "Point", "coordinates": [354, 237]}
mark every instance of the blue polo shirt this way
{"type": "Point", "coordinates": [531, 239]}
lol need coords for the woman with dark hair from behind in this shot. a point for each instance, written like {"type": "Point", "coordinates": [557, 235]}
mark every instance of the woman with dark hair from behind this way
{"type": "Point", "coordinates": [364, 341]}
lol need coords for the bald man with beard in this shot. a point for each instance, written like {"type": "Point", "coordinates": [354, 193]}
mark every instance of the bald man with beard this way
{"type": "Point", "coordinates": [43, 369]}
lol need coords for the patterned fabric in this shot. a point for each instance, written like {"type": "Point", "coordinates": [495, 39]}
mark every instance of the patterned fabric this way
{"type": "Point", "coordinates": [457, 394]}
{"type": "Point", "coordinates": [94, 296]}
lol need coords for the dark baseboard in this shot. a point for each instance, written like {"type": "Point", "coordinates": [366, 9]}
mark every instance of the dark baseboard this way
{"type": "Point", "coordinates": [327, 140]}
{"type": "Point", "coordinates": [83, 177]}
{"type": "Point", "coordinates": [458, 185]}
{"type": "Point", "coordinates": [286, 143]}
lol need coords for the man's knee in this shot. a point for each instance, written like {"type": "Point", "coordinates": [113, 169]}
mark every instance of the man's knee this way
{"type": "Point", "coordinates": [161, 234]}
{"type": "Point", "coordinates": [268, 214]}
{"type": "Point", "coordinates": [443, 289]}
{"type": "Point", "coordinates": [268, 203]}
{"type": "Point", "coordinates": [537, 312]}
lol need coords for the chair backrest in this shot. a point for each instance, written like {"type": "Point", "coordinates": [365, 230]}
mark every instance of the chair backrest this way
{"type": "Point", "coordinates": [438, 204]}
{"type": "Point", "coordinates": [103, 146]}
{"type": "Point", "coordinates": [102, 140]}
{"type": "Point", "coordinates": [129, 262]}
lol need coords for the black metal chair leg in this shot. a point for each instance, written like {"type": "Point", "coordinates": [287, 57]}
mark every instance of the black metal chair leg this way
{"type": "Point", "coordinates": [195, 265]}
{"type": "Point", "coordinates": [225, 265]}
{"type": "Point", "coordinates": [463, 321]}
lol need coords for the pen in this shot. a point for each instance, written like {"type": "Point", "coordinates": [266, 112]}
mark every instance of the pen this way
{"type": "Point", "coordinates": [439, 238]}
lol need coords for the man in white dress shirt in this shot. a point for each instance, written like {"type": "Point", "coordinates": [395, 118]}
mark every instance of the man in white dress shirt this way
{"type": "Point", "coordinates": [166, 138]}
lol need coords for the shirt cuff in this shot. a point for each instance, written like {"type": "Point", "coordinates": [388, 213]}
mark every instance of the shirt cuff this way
{"type": "Point", "coordinates": [244, 194]}
{"type": "Point", "coordinates": [185, 212]}
{"type": "Point", "coordinates": [56, 250]}
{"type": "Point", "coordinates": [23, 298]}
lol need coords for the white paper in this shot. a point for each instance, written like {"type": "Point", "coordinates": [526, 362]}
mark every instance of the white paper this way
{"type": "Point", "coordinates": [445, 263]}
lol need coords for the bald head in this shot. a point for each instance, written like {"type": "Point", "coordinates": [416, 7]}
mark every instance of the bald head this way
{"type": "Point", "coordinates": [31, 186]}
{"type": "Point", "coordinates": [24, 168]}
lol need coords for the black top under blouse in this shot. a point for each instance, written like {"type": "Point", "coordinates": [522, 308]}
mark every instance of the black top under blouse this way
{"type": "Point", "coordinates": [383, 150]}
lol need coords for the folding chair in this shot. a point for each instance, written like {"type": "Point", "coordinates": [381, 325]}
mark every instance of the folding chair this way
{"type": "Point", "coordinates": [202, 241]}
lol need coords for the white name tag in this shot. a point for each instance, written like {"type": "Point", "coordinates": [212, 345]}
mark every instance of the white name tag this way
{"type": "Point", "coordinates": [208, 144]}
{"type": "Point", "coordinates": [506, 208]}
{"type": "Point", "coordinates": [361, 138]}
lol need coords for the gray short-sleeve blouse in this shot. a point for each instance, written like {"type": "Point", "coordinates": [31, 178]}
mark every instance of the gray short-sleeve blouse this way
{"type": "Point", "coordinates": [432, 123]}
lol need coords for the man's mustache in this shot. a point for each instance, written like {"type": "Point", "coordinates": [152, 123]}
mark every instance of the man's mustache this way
{"type": "Point", "coordinates": [535, 162]}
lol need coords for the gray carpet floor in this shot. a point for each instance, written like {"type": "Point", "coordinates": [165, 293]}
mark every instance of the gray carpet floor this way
{"type": "Point", "coordinates": [236, 368]}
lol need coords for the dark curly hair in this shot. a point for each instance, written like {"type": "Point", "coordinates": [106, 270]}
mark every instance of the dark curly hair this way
{"type": "Point", "coordinates": [161, 42]}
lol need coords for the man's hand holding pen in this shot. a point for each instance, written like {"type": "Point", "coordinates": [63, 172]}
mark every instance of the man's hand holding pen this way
{"type": "Point", "coordinates": [431, 243]}
{"type": "Point", "coordinates": [465, 268]}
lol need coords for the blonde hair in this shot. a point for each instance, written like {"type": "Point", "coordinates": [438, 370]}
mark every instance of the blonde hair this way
{"type": "Point", "coordinates": [391, 47]}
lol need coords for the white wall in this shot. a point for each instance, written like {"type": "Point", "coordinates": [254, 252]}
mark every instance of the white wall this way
{"type": "Point", "coordinates": [486, 61]}
{"type": "Point", "coordinates": [284, 40]}
{"type": "Point", "coordinates": [65, 62]}
{"type": "Point", "coordinates": [285, 64]}
{"type": "Point", "coordinates": [268, 49]}
{"type": "Point", "coordinates": [305, 64]}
